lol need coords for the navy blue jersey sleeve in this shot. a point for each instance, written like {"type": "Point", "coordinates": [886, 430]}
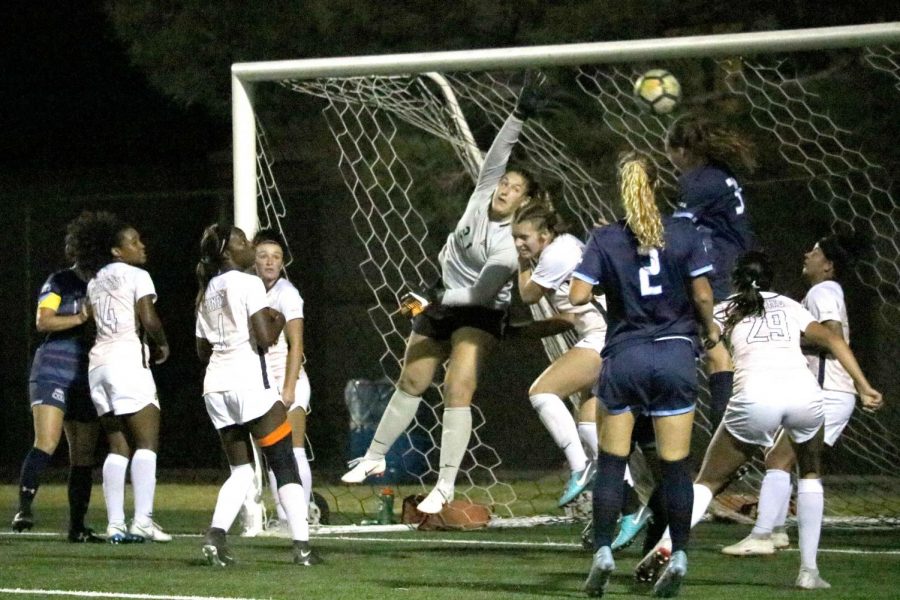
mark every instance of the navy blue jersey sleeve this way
{"type": "Point", "coordinates": [590, 268]}
{"type": "Point", "coordinates": [698, 260]}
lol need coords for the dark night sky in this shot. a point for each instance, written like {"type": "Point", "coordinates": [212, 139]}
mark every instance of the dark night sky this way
{"type": "Point", "coordinates": [72, 99]}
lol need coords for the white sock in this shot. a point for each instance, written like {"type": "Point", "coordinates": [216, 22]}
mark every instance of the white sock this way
{"type": "Point", "coordinates": [293, 499]}
{"type": "Point", "coordinates": [114, 469]}
{"type": "Point", "coordinates": [457, 428]}
{"type": "Point", "coordinates": [273, 485]}
{"type": "Point", "coordinates": [232, 495]}
{"type": "Point", "coordinates": [781, 517]}
{"type": "Point", "coordinates": [587, 431]}
{"type": "Point", "coordinates": [774, 495]}
{"type": "Point", "coordinates": [558, 420]}
{"type": "Point", "coordinates": [305, 472]}
{"type": "Point", "coordinates": [399, 413]}
{"type": "Point", "coordinates": [628, 479]}
{"type": "Point", "coordinates": [810, 505]}
{"type": "Point", "coordinates": [702, 497]}
{"type": "Point", "coordinates": [143, 480]}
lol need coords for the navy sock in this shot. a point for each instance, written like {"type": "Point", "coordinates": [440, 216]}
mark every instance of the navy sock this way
{"type": "Point", "coordinates": [656, 503]}
{"type": "Point", "coordinates": [679, 495]}
{"type": "Point", "coordinates": [80, 482]}
{"type": "Point", "coordinates": [630, 501]}
{"type": "Point", "coordinates": [30, 479]}
{"type": "Point", "coordinates": [607, 497]}
{"type": "Point", "coordinates": [720, 387]}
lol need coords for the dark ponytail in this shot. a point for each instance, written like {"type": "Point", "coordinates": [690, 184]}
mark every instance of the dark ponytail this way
{"type": "Point", "coordinates": [843, 248]}
{"type": "Point", "coordinates": [212, 246]}
{"type": "Point", "coordinates": [752, 274]}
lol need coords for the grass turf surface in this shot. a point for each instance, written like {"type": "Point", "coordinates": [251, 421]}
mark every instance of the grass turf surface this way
{"type": "Point", "coordinates": [520, 563]}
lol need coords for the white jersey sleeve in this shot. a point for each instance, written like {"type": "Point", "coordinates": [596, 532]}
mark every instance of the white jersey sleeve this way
{"type": "Point", "coordinates": [224, 321]}
{"type": "Point", "coordinates": [825, 301]}
{"type": "Point", "coordinates": [284, 298]}
{"type": "Point", "coordinates": [113, 293]}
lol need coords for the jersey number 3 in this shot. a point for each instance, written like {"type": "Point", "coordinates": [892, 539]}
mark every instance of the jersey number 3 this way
{"type": "Point", "coordinates": [648, 271]}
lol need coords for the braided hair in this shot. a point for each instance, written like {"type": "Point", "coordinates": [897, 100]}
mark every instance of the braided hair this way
{"type": "Point", "coordinates": [637, 186]}
{"type": "Point", "coordinates": [212, 247]}
{"type": "Point", "coordinates": [540, 212]}
{"type": "Point", "coordinates": [753, 273]}
{"type": "Point", "coordinates": [711, 140]}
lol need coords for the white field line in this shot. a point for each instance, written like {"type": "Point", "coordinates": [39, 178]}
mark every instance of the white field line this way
{"type": "Point", "coordinates": [467, 542]}
{"type": "Point", "coordinates": [87, 594]}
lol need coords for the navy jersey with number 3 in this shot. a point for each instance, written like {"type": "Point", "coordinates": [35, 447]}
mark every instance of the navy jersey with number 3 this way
{"type": "Point", "coordinates": [647, 297]}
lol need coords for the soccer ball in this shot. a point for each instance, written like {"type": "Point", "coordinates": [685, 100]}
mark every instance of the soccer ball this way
{"type": "Point", "coordinates": [657, 90]}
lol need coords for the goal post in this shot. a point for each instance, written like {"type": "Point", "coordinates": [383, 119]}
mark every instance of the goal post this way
{"type": "Point", "coordinates": [775, 84]}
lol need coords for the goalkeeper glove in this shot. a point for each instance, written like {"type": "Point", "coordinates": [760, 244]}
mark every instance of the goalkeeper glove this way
{"type": "Point", "coordinates": [416, 301]}
{"type": "Point", "coordinates": [532, 99]}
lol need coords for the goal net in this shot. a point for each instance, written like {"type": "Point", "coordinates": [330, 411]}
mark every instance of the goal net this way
{"type": "Point", "coordinates": [817, 104]}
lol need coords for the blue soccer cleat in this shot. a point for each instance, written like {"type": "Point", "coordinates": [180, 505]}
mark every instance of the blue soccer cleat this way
{"type": "Point", "coordinates": [669, 582]}
{"type": "Point", "coordinates": [578, 482]}
{"type": "Point", "coordinates": [602, 568]}
{"type": "Point", "coordinates": [630, 526]}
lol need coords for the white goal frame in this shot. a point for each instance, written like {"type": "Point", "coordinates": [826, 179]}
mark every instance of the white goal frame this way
{"type": "Point", "coordinates": [245, 75]}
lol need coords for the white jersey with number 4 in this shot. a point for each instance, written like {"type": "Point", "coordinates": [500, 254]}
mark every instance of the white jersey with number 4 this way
{"type": "Point", "coordinates": [825, 301]}
{"type": "Point", "coordinates": [113, 293]}
{"type": "Point", "coordinates": [767, 348]}
{"type": "Point", "coordinates": [554, 270]}
{"type": "Point", "coordinates": [284, 298]}
{"type": "Point", "coordinates": [224, 321]}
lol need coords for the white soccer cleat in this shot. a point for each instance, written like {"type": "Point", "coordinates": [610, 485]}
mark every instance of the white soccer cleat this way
{"type": "Point", "coordinates": [669, 583]}
{"type": "Point", "coordinates": [435, 501]}
{"type": "Point", "coordinates": [809, 579]}
{"type": "Point", "coordinates": [151, 532]}
{"type": "Point", "coordinates": [602, 567]}
{"type": "Point", "coordinates": [118, 534]}
{"type": "Point", "coordinates": [750, 546]}
{"type": "Point", "coordinates": [780, 540]}
{"type": "Point", "coordinates": [363, 467]}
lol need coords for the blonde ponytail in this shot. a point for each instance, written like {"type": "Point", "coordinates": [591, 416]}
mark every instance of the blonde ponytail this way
{"type": "Point", "coordinates": [637, 182]}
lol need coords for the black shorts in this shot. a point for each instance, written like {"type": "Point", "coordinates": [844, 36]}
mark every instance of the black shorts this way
{"type": "Point", "coordinates": [74, 400]}
{"type": "Point", "coordinates": [441, 323]}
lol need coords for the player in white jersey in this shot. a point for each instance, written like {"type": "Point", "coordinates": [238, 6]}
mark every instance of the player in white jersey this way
{"type": "Point", "coordinates": [122, 298]}
{"type": "Point", "coordinates": [235, 326]}
{"type": "Point", "coordinates": [823, 267]}
{"type": "Point", "coordinates": [540, 237]}
{"type": "Point", "coordinates": [773, 388]}
{"type": "Point", "coordinates": [464, 320]}
{"type": "Point", "coordinates": [286, 358]}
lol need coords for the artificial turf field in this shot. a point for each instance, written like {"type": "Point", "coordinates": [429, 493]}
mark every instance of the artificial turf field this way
{"type": "Point", "coordinates": [538, 562]}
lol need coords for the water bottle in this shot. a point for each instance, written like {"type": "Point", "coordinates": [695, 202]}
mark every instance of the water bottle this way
{"type": "Point", "coordinates": [386, 513]}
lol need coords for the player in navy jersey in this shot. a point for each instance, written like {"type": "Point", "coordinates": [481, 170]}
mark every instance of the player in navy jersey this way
{"type": "Point", "coordinates": [711, 197]}
{"type": "Point", "coordinates": [464, 321]}
{"type": "Point", "coordinates": [653, 271]}
{"type": "Point", "coordinates": [60, 398]}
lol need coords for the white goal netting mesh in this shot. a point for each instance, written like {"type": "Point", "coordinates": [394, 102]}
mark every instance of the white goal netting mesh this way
{"type": "Point", "coordinates": [826, 158]}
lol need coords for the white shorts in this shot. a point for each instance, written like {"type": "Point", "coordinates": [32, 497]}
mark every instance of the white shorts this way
{"type": "Point", "coordinates": [754, 415]}
{"type": "Point", "coordinates": [838, 409]}
{"type": "Point", "coordinates": [236, 407]}
{"type": "Point", "coordinates": [302, 392]}
{"type": "Point", "coordinates": [121, 389]}
{"type": "Point", "coordinates": [593, 341]}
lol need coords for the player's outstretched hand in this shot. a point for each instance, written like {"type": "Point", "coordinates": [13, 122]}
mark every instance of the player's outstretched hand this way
{"type": "Point", "coordinates": [532, 98]}
{"type": "Point", "coordinates": [415, 301]}
{"type": "Point", "coordinates": [871, 399]}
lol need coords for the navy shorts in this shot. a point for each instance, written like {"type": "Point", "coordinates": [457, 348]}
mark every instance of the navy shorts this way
{"type": "Point", "coordinates": [73, 400]}
{"type": "Point", "coordinates": [440, 324]}
{"type": "Point", "coordinates": [654, 378]}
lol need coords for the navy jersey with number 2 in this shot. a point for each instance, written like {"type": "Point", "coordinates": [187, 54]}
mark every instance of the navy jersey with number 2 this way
{"type": "Point", "coordinates": [649, 296]}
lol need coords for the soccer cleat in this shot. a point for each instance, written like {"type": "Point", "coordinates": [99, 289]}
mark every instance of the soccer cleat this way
{"type": "Point", "coordinates": [650, 566]}
{"type": "Point", "coordinates": [809, 579]}
{"type": "Point", "coordinates": [85, 535]}
{"type": "Point", "coordinates": [152, 532]}
{"type": "Point", "coordinates": [118, 534]}
{"type": "Point", "coordinates": [670, 581]}
{"type": "Point", "coordinates": [23, 521]}
{"type": "Point", "coordinates": [363, 467]}
{"type": "Point", "coordinates": [630, 526]}
{"type": "Point", "coordinates": [304, 555]}
{"type": "Point", "coordinates": [750, 546]}
{"type": "Point", "coordinates": [578, 482]}
{"type": "Point", "coordinates": [214, 549]}
{"type": "Point", "coordinates": [602, 568]}
{"type": "Point", "coordinates": [587, 536]}
{"type": "Point", "coordinates": [436, 499]}
{"type": "Point", "coordinates": [780, 540]}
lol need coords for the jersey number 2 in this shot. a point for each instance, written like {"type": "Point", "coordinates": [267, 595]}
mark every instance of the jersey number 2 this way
{"type": "Point", "coordinates": [648, 271]}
